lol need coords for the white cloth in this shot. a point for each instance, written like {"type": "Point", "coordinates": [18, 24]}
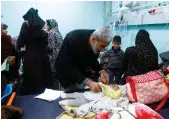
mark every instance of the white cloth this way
{"type": "Point", "coordinates": [73, 99]}
{"type": "Point", "coordinates": [127, 113]}
{"type": "Point", "coordinates": [77, 99]}
{"type": "Point", "coordinates": [101, 104]}
{"type": "Point", "coordinates": [94, 102]}
{"type": "Point", "coordinates": [49, 95]}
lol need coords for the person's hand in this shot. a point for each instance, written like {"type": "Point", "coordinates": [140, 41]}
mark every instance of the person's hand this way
{"type": "Point", "coordinates": [104, 77]}
{"type": "Point", "coordinates": [12, 60]}
{"type": "Point", "coordinates": [94, 86]}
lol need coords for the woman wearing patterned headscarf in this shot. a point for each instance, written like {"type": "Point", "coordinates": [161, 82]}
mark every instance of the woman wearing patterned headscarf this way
{"type": "Point", "coordinates": [54, 44]}
{"type": "Point", "coordinates": [141, 58]}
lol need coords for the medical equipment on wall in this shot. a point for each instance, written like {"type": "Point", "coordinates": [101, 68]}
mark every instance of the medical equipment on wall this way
{"type": "Point", "coordinates": [122, 29]}
{"type": "Point", "coordinates": [120, 4]}
{"type": "Point", "coordinates": [113, 27]}
{"type": "Point", "coordinates": [121, 24]}
{"type": "Point", "coordinates": [135, 3]}
{"type": "Point", "coordinates": [137, 14]}
{"type": "Point", "coordinates": [118, 28]}
{"type": "Point", "coordinates": [130, 4]}
{"type": "Point", "coordinates": [120, 15]}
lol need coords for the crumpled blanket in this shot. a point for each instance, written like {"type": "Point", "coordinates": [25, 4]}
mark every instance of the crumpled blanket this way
{"type": "Point", "coordinates": [78, 99]}
{"type": "Point", "coordinates": [103, 104]}
{"type": "Point", "coordinates": [95, 102]}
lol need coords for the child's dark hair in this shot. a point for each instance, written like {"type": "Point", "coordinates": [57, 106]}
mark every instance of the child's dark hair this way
{"type": "Point", "coordinates": [4, 26]}
{"type": "Point", "coordinates": [117, 39]}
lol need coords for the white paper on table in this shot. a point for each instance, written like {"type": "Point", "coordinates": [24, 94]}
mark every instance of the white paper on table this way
{"type": "Point", "coordinates": [49, 95]}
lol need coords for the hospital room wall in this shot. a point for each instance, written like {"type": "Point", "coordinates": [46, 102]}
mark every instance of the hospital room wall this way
{"type": "Point", "coordinates": [159, 35]}
{"type": "Point", "coordinates": [70, 15]}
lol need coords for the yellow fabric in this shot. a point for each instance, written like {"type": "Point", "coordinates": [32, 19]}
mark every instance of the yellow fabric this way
{"type": "Point", "coordinates": [109, 92]}
{"type": "Point", "coordinates": [105, 60]}
{"type": "Point", "coordinates": [69, 114]}
{"type": "Point", "coordinates": [167, 78]}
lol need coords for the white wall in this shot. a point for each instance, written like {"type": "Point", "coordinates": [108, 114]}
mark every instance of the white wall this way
{"type": "Point", "coordinates": [69, 14]}
{"type": "Point", "coordinates": [12, 12]}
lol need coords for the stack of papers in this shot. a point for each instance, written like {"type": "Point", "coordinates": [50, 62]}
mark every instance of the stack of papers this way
{"type": "Point", "coordinates": [49, 95]}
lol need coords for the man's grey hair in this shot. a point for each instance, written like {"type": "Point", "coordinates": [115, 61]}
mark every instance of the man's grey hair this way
{"type": "Point", "coordinates": [103, 34]}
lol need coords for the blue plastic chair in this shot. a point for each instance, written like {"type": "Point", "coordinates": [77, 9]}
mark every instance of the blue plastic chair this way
{"type": "Point", "coordinates": [7, 92]}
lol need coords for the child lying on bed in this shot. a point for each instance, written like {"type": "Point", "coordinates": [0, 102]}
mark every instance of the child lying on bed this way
{"type": "Point", "coordinates": [112, 96]}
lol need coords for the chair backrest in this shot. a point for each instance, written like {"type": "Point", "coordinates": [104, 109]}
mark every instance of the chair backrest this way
{"type": "Point", "coordinates": [7, 91]}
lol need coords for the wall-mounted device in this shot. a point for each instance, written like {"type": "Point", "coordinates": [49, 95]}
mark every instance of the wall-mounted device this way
{"type": "Point", "coordinates": [156, 11]}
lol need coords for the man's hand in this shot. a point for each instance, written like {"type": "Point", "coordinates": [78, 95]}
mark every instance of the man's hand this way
{"type": "Point", "coordinates": [94, 86]}
{"type": "Point", "coordinates": [12, 60]}
{"type": "Point", "coordinates": [104, 77]}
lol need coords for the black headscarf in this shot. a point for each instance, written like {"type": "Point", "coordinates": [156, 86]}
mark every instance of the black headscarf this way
{"type": "Point", "coordinates": [141, 58]}
{"type": "Point", "coordinates": [145, 47]}
{"type": "Point", "coordinates": [33, 18]}
{"type": "Point", "coordinates": [33, 30]}
{"type": "Point", "coordinates": [143, 41]}
{"type": "Point", "coordinates": [4, 26]}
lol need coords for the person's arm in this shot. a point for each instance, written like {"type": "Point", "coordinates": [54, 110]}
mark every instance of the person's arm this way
{"type": "Point", "coordinates": [21, 41]}
{"type": "Point", "coordinates": [69, 70]}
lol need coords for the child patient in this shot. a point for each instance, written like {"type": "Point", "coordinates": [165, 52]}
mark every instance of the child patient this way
{"type": "Point", "coordinates": [112, 61]}
{"type": "Point", "coordinates": [112, 96]}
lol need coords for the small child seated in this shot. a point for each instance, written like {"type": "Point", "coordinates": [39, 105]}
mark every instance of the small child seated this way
{"type": "Point", "coordinates": [113, 60]}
